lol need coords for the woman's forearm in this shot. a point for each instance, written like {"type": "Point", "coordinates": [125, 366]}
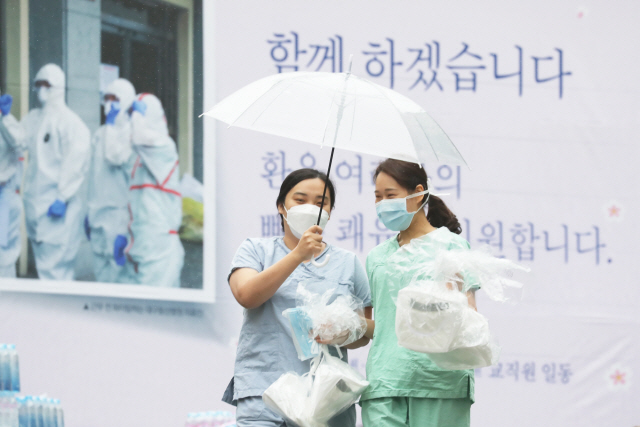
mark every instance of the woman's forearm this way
{"type": "Point", "coordinates": [257, 289]}
{"type": "Point", "coordinates": [357, 344]}
{"type": "Point", "coordinates": [371, 326]}
{"type": "Point", "coordinates": [471, 299]}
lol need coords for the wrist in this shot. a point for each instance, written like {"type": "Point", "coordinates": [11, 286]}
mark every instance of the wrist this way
{"type": "Point", "coordinates": [370, 328]}
{"type": "Point", "coordinates": [295, 255]}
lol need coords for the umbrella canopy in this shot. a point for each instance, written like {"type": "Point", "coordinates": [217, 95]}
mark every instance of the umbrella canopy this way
{"type": "Point", "coordinates": [339, 110]}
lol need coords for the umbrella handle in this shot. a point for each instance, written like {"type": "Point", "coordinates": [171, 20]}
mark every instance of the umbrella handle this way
{"type": "Point", "coordinates": [321, 264]}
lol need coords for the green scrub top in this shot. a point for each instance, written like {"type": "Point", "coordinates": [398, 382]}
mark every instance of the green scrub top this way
{"type": "Point", "coordinates": [392, 370]}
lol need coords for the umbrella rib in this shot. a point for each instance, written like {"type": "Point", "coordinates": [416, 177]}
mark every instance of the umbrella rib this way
{"type": "Point", "coordinates": [326, 125]}
{"type": "Point", "coordinates": [425, 135]}
{"type": "Point", "coordinates": [452, 144]}
{"type": "Point", "coordinates": [353, 116]}
{"type": "Point", "coordinates": [423, 131]}
{"type": "Point", "coordinates": [278, 83]}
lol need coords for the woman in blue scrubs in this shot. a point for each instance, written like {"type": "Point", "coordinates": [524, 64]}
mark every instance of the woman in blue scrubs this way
{"type": "Point", "coordinates": [264, 277]}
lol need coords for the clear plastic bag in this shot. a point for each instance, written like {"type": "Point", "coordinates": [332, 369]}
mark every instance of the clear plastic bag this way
{"type": "Point", "coordinates": [341, 321]}
{"type": "Point", "coordinates": [336, 386]}
{"type": "Point", "coordinates": [468, 357]}
{"type": "Point", "coordinates": [331, 316]}
{"type": "Point", "coordinates": [432, 313]}
{"type": "Point", "coordinates": [288, 398]}
{"type": "Point", "coordinates": [479, 267]}
{"type": "Point", "coordinates": [436, 320]}
{"type": "Point", "coordinates": [429, 317]}
{"type": "Point", "coordinates": [311, 400]}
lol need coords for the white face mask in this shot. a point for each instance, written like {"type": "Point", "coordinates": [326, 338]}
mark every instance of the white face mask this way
{"type": "Point", "coordinates": [301, 217]}
{"type": "Point", "coordinates": [43, 95]}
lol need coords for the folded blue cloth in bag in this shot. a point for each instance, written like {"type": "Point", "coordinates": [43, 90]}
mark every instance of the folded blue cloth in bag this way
{"type": "Point", "coordinates": [301, 327]}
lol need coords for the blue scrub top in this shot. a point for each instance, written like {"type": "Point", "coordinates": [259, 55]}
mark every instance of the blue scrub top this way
{"type": "Point", "coordinates": [266, 349]}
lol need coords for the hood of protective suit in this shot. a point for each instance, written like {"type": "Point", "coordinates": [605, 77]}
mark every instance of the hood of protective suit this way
{"type": "Point", "coordinates": [151, 138]}
{"type": "Point", "coordinates": [124, 91]}
{"type": "Point", "coordinates": [154, 117]}
{"type": "Point", "coordinates": [54, 75]}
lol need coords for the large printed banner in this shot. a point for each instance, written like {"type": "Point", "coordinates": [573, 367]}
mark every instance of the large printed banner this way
{"type": "Point", "coordinates": [541, 99]}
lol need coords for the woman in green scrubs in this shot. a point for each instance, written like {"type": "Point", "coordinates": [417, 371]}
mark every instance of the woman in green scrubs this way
{"type": "Point", "coordinates": [406, 388]}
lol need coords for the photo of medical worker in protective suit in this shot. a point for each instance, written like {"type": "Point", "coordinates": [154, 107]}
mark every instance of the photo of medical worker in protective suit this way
{"type": "Point", "coordinates": [11, 147]}
{"type": "Point", "coordinates": [58, 144]}
{"type": "Point", "coordinates": [106, 207]}
{"type": "Point", "coordinates": [108, 214]}
{"type": "Point", "coordinates": [135, 205]}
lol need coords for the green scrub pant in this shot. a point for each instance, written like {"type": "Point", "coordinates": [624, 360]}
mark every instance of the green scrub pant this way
{"type": "Point", "coordinates": [416, 412]}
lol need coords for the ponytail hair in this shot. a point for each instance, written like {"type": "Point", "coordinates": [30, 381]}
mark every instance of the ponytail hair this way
{"type": "Point", "coordinates": [409, 176]}
{"type": "Point", "coordinates": [439, 215]}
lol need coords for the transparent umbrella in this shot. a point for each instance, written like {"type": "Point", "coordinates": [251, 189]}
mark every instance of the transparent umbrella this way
{"type": "Point", "coordinates": [339, 110]}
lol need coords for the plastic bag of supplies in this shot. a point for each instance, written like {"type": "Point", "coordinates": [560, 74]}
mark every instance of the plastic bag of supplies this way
{"type": "Point", "coordinates": [336, 386]}
{"type": "Point", "coordinates": [429, 318]}
{"type": "Point", "coordinates": [332, 316]}
{"type": "Point", "coordinates": [311, 400]}
{"type": "Point", "coordinates": [288, 398]}
{"type": "Point", "coordinates": [433, 315]}
{"type": "Point", "coordinates": [438, 321]}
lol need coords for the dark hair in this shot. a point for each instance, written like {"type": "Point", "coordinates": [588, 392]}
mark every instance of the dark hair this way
{"type": "Point", "coordinates": [296, 177]}
{"type": "Point", "coordinates": [409, 176]}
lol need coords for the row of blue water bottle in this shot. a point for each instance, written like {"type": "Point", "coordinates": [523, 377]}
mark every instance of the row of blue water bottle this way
{"type": "Point", "coordinates": [9, 368]}
{"type": "Point", "coordinates": [39, 411]}
{"type": "Point", "coordinates": [211, 419]}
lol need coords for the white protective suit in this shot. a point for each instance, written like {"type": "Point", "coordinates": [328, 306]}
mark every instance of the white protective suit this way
{"type": "Point", "coordinates": [109, 186]}
{"type": "Point", "coordinates": [59, 144]}
{"type": "Point", "coordinates": [11, 150]}
{"type": "Point", "coordinates": [156, 205]}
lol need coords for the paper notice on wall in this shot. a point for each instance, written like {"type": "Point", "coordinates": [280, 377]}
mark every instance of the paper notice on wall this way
{"type": "Point", "coordinates": [108, 73]}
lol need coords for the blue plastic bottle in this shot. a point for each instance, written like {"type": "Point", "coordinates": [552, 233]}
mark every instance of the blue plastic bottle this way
{"type": "Point", "coordinates": [14, 368]}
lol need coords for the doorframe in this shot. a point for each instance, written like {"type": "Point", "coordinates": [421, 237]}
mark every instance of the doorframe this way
{"type": "Point", "coordinates": [185, 83]}
{"type": "Point", "coordinates": [16, 23]}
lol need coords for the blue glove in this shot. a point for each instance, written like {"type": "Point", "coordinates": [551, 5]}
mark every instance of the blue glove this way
{"type": "Point", "coordinates": [57, 209]}
{"type": "Point", "coordinates": [111, 115]}
{"type": "Point", "coordinates": [5, 103]}
{"type": "Point", "coordinates": [139, 106]}
{"type": "Point", "coordinates": [87, 227]}
{"type": "Point", "coordinates": [118, 249]}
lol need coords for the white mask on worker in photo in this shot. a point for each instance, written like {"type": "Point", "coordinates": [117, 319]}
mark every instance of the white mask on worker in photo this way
{"type": "Point", "coordinates": [301, 217]}
{"type": "Point", "coordinates": [43, 94]}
